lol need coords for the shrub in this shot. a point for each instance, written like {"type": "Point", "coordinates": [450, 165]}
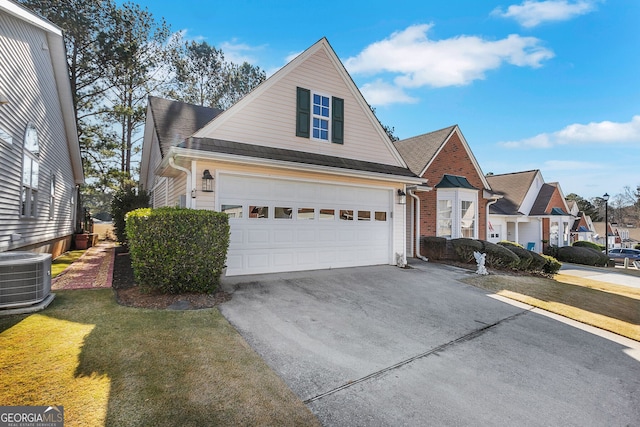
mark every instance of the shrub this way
{"type": "Point", "coordinates": [538, 262]}
{"type": "Point", "coordinates": [465, 248]}
{"type": "Point", "coordinates": [497, 256]}
{"type": "Point", "coordinates": [585, 244]}
{"type": "Point", "coordinates": [523, 255]}
{"type": "Point", "coordinates": [124, 201]}
{"type": "Point", "coordinates": [176, 250]}
{"type": "Point", "coordinates": [552, 266]}
{"type": "Point", "coordinates": [434, 247]}
{"type": "Point", "coordinates": [582, 255]}
{"type": "Point", "coordinates": [636, 246]}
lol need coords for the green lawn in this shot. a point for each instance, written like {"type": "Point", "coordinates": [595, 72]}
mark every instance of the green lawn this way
{"type": "Point", "coordinates": [607, 306]}
{"type": "Point", "coordinates": [119, 366]}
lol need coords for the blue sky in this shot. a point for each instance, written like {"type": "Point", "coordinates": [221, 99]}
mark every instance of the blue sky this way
{"type": "Point", "coordinates": [551, 85]}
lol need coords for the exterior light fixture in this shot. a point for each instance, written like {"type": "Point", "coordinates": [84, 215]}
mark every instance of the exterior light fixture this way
{"type": "Point", "coordinates": [3, 99]}
{"type": "Point", "coordinates": [207, 181]}
{"type": "Point", "coordinates": [402, 197]}
{"type": "Point", "coordinates": [606, 224]}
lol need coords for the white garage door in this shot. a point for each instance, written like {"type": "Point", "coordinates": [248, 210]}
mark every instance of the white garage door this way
{"type": "Point", "coordinates": [284, 225]}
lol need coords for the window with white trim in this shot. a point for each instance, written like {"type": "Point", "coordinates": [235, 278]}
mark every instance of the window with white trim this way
{"type": "Point", "coordinates": [30, 172]}
{"type": "Point", "coordinates": [319, 116]}
{"type": "Point", "coordinates": [457, 213]}
{"type": "Point", "coordinates": [321, 108]}
{"type": "Point", "coordinates": [52, 197]}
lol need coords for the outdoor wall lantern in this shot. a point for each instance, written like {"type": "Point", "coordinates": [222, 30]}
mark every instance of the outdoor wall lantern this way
{"type": "Point", "coordinates": [402, 197]}
{"type": "Point", "coordinates": [207, 181]}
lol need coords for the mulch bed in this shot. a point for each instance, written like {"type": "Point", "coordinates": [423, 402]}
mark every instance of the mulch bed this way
{"type": "Point", "coordinates": [130, 294]}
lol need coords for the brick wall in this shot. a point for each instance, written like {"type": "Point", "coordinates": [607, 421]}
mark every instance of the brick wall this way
{"type": "Point", "coordinates": [453, 160]}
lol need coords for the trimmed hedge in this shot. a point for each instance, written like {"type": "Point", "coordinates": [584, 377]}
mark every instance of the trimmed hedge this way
{"type": "Point", "coordinates": [124, 201]}
{"type": "Point", "coordinates": [581, 255]}
{"type": "Point", "coordinates": [434, 247]}
{"type": "Point", "coordinates": [585, 244]}
{"type": "Point", "coordinates": [524, 255]}
{"type": "Point", "coordinates": [177, 250]}
{"type": "Point", "coordinates": [497, 256]}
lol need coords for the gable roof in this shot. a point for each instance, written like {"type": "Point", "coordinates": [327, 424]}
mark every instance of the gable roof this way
{"type": "Point", "coordinates": [420, 151]}
{"type": "Point", "coordinates": [513, 187]}
{"type": "Point", "coordinates": [285, 77]}
{"type": "Point", "coordinates": [175, 121]}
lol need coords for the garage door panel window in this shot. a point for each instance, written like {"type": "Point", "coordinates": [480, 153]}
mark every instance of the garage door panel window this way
{"type": "Point", "coordinates": [283, 212]}
{"type": "Point", "coordinates": [306, 213]}
{"type": "Point", "coordinates": [346, 214]}
{"type": "Point", "coordinates": [327, 214]}
{"type": "Point", "coordinates": [232, 211]}
{"type": "Point", "coordinates": [258, 211]}
{"type": "Point", "coordinates": [364, 215]}
{"type": "Point", "coordinates": [381, 216]}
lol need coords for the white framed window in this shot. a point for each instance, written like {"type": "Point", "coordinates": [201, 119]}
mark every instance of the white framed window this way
{"type": "Point", "coordinates": [457, 213]}
{"type": "Point", "coordinates": [52, 197]}
{"type": "Point", "coordinates": [30, 172]}
{"type": "Point", "coordinates": [321, 113]}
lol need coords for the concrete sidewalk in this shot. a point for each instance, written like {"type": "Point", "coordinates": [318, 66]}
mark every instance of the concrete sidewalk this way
{"type": "Point", "coordinates": [603, 274]}
{"type": "Point", "coordinates": [94, 269]}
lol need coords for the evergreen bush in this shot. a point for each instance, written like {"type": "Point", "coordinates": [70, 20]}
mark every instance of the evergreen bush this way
{"type": "Point", "coordinates": [523, 255]}
{"type": "Point", "coordinates": [124, 201]}
{"type": "Point", "coordinates": [552, 266]}
{"type": "Point", "coordinates": [434, 247]}
{"type": "Point", "coordinates": [585, 244]}
{"type": "Point", "coordinates": [582, 255]}
{"type": "Point", "coordinates": [177, 250]}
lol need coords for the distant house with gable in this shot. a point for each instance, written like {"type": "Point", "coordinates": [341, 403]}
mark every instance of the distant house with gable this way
{"type": "Point", "coordinates": [531, 212]}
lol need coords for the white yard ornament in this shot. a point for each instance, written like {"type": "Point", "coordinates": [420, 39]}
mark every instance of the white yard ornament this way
{"type": "Point", "coordinates": [480, 260]}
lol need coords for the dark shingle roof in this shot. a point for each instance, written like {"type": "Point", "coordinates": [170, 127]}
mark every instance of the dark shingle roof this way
{"type": "Point", "coordinates": [419, 150]}
{"type": "Point", "coordinates": [454, 181]}
{"type": "Point", "coordinates": [263, 152]}
{"type": "Point", "coordinates": [175, 121]}
{"type": "Point", "coordinates": [513, 187]}
{"type": "Point", "coordinates": [542, 201]}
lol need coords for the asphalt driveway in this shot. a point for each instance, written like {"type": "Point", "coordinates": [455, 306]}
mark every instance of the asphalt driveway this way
{"type": "Point", "coordinates": [388, 346]}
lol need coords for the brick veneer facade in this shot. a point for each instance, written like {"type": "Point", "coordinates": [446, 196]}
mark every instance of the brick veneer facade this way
{"type": "Point", "coordinates": [453, 160]}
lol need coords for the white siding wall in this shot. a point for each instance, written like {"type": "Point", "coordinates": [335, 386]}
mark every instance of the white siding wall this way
{"type": "Point", "coordinates": [27, 79]}
{"type": "Point", "coordinates": [270, 119]}
{"type": "Point", "coordinates": [532, 194]}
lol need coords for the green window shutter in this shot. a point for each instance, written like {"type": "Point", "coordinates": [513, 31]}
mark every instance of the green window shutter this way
{"type": "Point", "coordinates": [303, 112]}
{"type": "Point", "coordinates": [337, 120]}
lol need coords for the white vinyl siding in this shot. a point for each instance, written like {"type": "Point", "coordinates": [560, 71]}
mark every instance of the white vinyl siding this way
{"type": "Point", "coordinates": [278, 128]}
{"type": "Point", "coordinates": [27, 79]}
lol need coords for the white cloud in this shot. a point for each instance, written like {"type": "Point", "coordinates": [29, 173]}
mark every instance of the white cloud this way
{"type": "Point", "coordinates": [239, 52]}
{"type": "Point", "coordinates": [457, 61]}
{"type": "Point", "coordinates": [532, 13]}
{"type": "Point", "coordinates": [605, 132]}
{"type": "Point", "coordinates": [381, 93]}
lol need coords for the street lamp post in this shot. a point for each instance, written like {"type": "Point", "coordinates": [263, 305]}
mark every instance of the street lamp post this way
{"type": "Point", "coordinates": [606, 224]}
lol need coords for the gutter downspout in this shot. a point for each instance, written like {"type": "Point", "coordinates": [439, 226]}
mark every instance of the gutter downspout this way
{"type": "Point", "coordinates": [188, 172]}
{"type": "Point", "coordinates": [486, 226]}
{"type": "Point", "coordinates": [416, 221]}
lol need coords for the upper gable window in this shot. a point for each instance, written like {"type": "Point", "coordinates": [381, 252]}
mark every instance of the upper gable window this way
{"type": "Point", "coordinates": [319, 116]}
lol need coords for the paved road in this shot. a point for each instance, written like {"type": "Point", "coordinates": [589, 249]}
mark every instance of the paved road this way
{"type": "Point", "coordinates": [386, 346]}
{"type": "Point", "coordinates": [609, 274]}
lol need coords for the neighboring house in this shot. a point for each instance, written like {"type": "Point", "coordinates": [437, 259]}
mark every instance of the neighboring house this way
{"type": "Point", "coordinates": [40, 164]}
{"type": "Point", "coordinates": [620, 236]}
{"type": "Point", "coordinates": [455, 203]}
{"type": "Point", "coordinates": [531, 212]}
{"type": "Point", "coordinates": [582, 229]}
{"type": "Point", "coordinates": [303, 168]}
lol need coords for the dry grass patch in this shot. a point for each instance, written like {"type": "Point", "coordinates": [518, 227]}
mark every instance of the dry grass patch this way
{"type": "Point", "coordinates": [113, 365]}
{"type": "Point", "coordinates": [611, 307]}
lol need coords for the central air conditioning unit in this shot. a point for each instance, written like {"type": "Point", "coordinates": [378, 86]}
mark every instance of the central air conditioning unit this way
{"type": "Point", "coordinates": [25, 282]}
